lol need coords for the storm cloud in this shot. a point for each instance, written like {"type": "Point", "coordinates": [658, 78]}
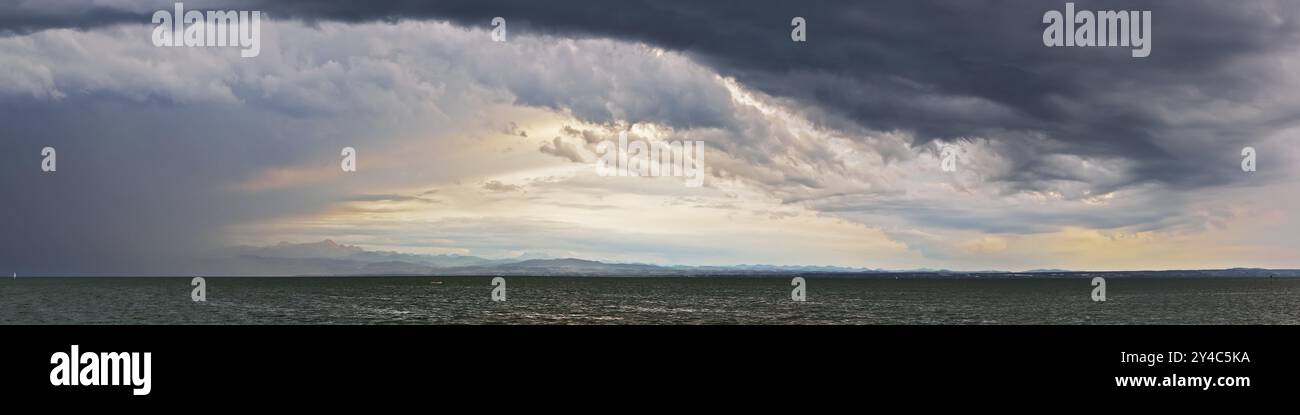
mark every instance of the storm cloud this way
{"type": "Point", "coordinates": [165, 149]}
{"type": "Point", "coordinates": [938, 69]}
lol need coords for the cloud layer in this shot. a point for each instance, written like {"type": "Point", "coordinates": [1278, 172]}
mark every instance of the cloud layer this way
{"type": "Point", "coordinates": [1066, 157]}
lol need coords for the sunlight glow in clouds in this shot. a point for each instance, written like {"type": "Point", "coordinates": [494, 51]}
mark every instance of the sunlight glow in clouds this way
{"type": "Point", "coordinates": [472, 147]}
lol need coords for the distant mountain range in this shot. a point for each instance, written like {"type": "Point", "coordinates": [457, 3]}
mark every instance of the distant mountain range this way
{"type": "Point", "coordinates": [328, 258]}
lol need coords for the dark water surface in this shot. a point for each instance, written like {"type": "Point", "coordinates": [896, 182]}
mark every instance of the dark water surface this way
{"type": "Point", "coordinates": [620, 300]}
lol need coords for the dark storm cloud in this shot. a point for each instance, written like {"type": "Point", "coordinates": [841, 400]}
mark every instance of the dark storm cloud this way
{"type": "Point", "coordinates": [966, 68]}
{"type": "Point", "coordinates": [937, 69]}
{"type": "Point", "coordinates": [20, 17]}
{"type": "Point", "coordinates": [137, 190]}
{"type": "Point", "coordinates": [17, 18]}
{"type": "Point", "coordinates": [943, 69]}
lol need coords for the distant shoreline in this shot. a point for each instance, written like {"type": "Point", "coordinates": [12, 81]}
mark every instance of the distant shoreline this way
{"type": "Point", "coordinates": [1199, 274]}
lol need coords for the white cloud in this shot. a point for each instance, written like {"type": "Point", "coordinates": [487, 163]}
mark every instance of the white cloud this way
{"type": "Point", "coordinates": [424, 103]}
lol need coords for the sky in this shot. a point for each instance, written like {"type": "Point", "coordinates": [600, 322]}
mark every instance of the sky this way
{"type": "Point", "coordinates": [827, 151]}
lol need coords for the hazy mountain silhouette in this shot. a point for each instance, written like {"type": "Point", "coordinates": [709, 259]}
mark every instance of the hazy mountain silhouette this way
{"type": "Point", "coordinates": [328, 258]}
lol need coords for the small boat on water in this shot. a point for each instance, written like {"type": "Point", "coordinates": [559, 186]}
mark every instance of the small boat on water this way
{"type": "Point", "coordinates": [436, 283]}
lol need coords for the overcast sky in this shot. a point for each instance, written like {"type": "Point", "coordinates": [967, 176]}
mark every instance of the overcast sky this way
{"type": "Point", "coordinates": [824, 152]}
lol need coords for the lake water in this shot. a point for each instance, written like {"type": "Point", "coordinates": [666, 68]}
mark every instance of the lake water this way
{"type": "Point", "coordinates": [670, 300]}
